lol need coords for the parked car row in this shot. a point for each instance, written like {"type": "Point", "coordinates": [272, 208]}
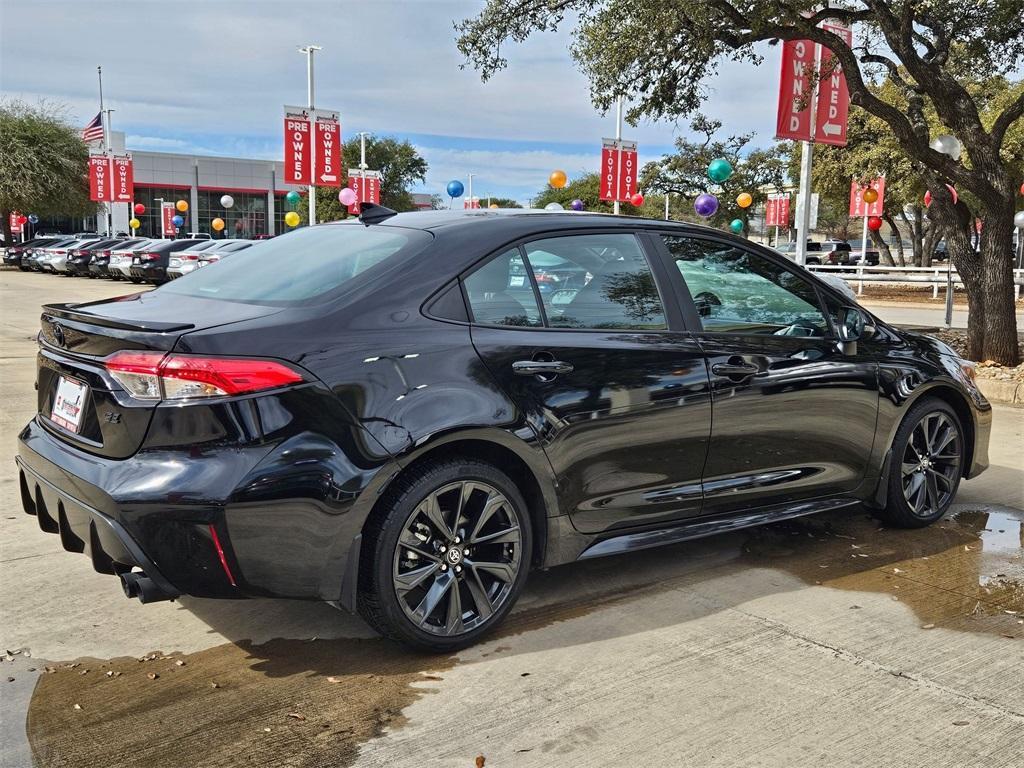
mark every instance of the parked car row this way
{"type": "Point", "coordinates": [138, 259]}
{"type": "Point", "coordinates": [832, 252]}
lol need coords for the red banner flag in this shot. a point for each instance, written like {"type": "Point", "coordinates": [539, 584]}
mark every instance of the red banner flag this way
{"type": "Point", "coordinates": [366, 185]}
{"type": "Point", "coordinates": [328, 149]}
{"type": "Point", "coordinates": [860, 208]}
{"type": "Point", "coordinates": [167, 219]}
{"type": "Point", "coordinates": [123, 180]}
{"type": "Point", "coordinates": [793, 119]}
{"type": "Point", "coordinates": [618, 169]}
{"type": "Point", "coordinates": [833, 96]}
{"type": "Point", "coordinates": [99, 179]}
{"type": "Point", "coordinates": [776, 212]}
{"type": "Point", "coordinates": [15, 222]}
{"type": "Point", "coordinates": [297, 146]}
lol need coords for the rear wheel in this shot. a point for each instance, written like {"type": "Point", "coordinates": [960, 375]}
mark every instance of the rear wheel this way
{"type": "Point", "coordinates": [926, 463]}
{"type": "Point", "coordinates": [135, 280]}
{"type": "Point", "coordinates": [448, 556]}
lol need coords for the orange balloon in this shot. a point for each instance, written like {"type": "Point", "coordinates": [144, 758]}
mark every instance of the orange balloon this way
{"type": "Point", "coordinates": [217, 224]}
{"type": "Point", "coordinates": [870, 195]}
{"type": "Point", "coordinates": [493, 205]}
{"type": "Point", "coordinates": [181, 205]}
{"type": "Point", "coordinates": [558, 179]}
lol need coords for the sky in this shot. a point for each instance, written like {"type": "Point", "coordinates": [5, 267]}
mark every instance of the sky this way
{"type": "Point", "coordinates": [211, 77]}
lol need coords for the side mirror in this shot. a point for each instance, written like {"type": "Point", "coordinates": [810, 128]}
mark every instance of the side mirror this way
{"type": "Point", "coordinates": [854, 326]}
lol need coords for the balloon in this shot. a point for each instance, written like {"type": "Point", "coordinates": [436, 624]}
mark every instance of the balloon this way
{"type": "Point", "coordinates": [928, 195]}
{"type": "Point", "coordinates": [558, 179]}
{"type": "Point", "coordinates": [554, 207]}
{"type": "Point", "coordinates": [719, 170]}
{"type": "Point", "coordinates": [874, 223]}
{"type": "Point", "coordinates": [705, 205]}
{"type": "Point", "coordinates": [227, 201]}
{"type": "Point", "coordinates": [292, 197]}
{"type": "Point", "coordinates": [1018, 219]}
{"type": "Point", "coordinates": [181, 205]}
{"type": "Point", "coordinates": [217, 224]}
{"type": "Point", "coordinates": [947, 145]}
{"type": "Point", "coordinates": [736, 225]}
{"type": "Point", "coordinates": [494, 205]}
{"type": "Point", "coordinates": [455, 188]}
{"type": "Point", "coordinates": [134, 223]}
{"type": "Point", "coordinates": [636, 200]}
{"type": "Point", "coordinates": [347, 196]}
{"type": "Point", "coordinates": [177, 221]}
{"type": "Point", "coordinates": [291, 219]}
{"type": "Point", "coordinates": [1022, 190]}
{"type": "Point", "coordinates": [743, 200]}
{"type": "Point", "coordinates": [23, 219]}
{"type": "Point", "coordinates": [870, 195]}
{"type": "Point", "coordinates": [139, 209]}
{"type": "Point", "coordinates": [33, 218]}
{"type": "Point", "coordinates": [577, 205]}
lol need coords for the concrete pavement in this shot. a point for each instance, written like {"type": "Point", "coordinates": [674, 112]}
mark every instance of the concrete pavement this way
{"type": "Point", "coordinates": [826, 641]}
{"type": "Point", "coordinates": [932, 315]}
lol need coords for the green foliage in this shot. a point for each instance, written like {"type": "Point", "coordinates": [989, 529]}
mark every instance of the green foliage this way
{"type": "Point", "coordinates": [502, 202]}
{"type": "Point", "coordinates": [588, 189]}
{"type": "Point", "coordinates": [685, 172]}
{"type": "Point", "coordinates": [400, 165]}
{"type": "Point", "coordinates": [43, 163]}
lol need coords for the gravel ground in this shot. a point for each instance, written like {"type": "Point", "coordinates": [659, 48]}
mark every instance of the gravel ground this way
{"type": "Point", "coordinates": [986, 368]}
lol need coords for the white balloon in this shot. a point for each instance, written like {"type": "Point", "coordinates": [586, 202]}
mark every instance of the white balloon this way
{"type": "Point", "coordinates": [1018, 219]}
{"type": "Point", "coordinates": [947, 145]}
{"type": "Point", "coordinates": [554, 207]}
{"type": "Point", "coordinates": [227, 201]}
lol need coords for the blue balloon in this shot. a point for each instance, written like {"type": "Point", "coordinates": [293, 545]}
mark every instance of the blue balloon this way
{"type": "Point", "coordinates": [576, 205]}
{"type": "Point", "coordinates": [455, 188]}
{"type": "Point", "coordinates": [177, 221]}
{"type": "Point", "coordinates": [33, 218]}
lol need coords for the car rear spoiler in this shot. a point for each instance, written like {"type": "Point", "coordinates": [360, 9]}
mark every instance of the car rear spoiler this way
{"type": "Point", "coordinates": [71, 312]}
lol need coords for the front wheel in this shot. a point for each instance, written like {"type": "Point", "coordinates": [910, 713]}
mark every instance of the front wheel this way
{"type": "Point", "coordinates": [926, 463]}
{"type": "Point", "coordinates": [447, 556]}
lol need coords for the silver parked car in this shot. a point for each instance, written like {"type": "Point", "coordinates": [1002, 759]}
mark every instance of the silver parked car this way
{"type": "Point", "coordinates": [121, 258]}
{"type": "Point", "coordinates": [216, 254]}
{"type": "Point", "coordinates": [183, 262]}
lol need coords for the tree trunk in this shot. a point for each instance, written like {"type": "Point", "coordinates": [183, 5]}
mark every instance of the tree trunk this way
{"type": "Point", "coordinates": [900, 259]}
{"type": "Point", "coordinates": [6, 226]}
{"type": "Point", "coordinates": [928, 243]}
{"type": "Point", "coordinates": [917, 232]}
{"type": "Point", "coordinates": [884, 254]}
{"type": "Point", "coordinates": [968, 265]}
{"type": "Point", "coordinates": [997, 285]}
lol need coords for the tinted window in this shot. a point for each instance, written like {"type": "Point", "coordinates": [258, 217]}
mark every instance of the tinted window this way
{"type": "Point", "coordinates": [596, 281]}
{"type": "Point", "coordinates": [737, 291]}
{"type": "Point", "coordinates": [305, 264]}
{"type": "Point", "coordinates": [500, 292]}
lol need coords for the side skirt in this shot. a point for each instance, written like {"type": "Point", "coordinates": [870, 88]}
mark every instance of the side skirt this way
{"type": "Point", "coordinates": [702, 527]}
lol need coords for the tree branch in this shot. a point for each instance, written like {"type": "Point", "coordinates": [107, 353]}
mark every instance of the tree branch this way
{"type": "Point", "coordinates": [1007, 118]}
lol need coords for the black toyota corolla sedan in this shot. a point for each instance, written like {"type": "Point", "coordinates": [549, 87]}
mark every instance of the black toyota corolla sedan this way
{"type": "Point", "coordinates": [391, 414]}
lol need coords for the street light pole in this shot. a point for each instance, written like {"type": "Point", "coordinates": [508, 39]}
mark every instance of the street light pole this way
{"type": "Point", "coordinates": [618, 147]}
{"type": "Point", "coordinates": [471, 190]}
{"type": "Point", "coordinates": [309, 50]}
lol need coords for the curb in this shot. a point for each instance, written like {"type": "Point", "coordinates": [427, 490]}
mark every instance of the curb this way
{"type": "Point", "coordinates": [1001, 391]}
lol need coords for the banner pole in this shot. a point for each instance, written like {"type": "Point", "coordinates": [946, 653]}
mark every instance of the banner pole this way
{"type": "Point", "coordinates": [618, 154]}
{"type": "Point", "coordinates": [309, 50]}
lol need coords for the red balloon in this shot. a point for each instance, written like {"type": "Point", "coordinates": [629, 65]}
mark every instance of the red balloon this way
{"type": "Point", "coordinates": [928, 195]}
{"type": "Point", "coordinates": [874, 223]}
{"type": "Point", "coordinates": [637, 200]}
{"type": "Point", "coordinates": [1022, 190]}
{"type": "Point", "coordinates": [139, 209]}
{"type": "Point", "coordinates": [22, 219]}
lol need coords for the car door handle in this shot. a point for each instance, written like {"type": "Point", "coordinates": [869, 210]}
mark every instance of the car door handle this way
{"type": "Point", "coordinates": [540, 367]}
{"type": "Point", "coordinates": [734, 369]}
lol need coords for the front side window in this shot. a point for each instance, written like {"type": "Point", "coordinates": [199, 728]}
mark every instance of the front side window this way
{"type": "Point", "coordinates": [500, 292]}
{"type": "Point", "coordinates": [596, 281]}
{"type": "Point", "coordinates": [737, 291]}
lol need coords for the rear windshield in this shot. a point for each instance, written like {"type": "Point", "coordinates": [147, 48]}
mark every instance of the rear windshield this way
{"type": "Point", "coordinates": [304, 265]}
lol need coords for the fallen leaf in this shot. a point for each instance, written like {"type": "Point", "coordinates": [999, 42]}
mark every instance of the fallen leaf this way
{"type": "Point", "coordinates": [215, 685]}
{"type": "Point", "coordinates": [432, 677]}
{"type": "Point", "coordinates": [927, 626]}
{"type": "Point", "coordinates": [110, 673]}
{"type": "Point", "coordinates": [1009, 637]}
{"type": "Point", "coordinates": [78, 706]}
{"type": "Point", "coordinates": [334, 679]}
{"type": "Point", "coordinates": [266, 730]}
{"type": "Point", "coordinates": [480, 760]}
{"type": "Point", "coordinates": [296, 716]}
{"type": "Point", "coordinates": [961, 722]}
{"type": "Point", "coordinates": [152, 675]}
{"type": "Point", "coordinates": [10, 679]}
{"type": "Point", "coordinates": [180, 663]}
{"type": "Point", "coordinates": [525, 674]}
{"type": "Point", "coordinates": [854, 607]}
{"type": "Point", "coordinates": [898, 570]}
{"type": "Point", "coordinates": [84, 671]}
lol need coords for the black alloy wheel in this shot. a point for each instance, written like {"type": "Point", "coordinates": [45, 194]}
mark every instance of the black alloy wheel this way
{"type": "Point", "coordinates": [927, 464]}
{"type": "Point", "coordinates": [451, 556]}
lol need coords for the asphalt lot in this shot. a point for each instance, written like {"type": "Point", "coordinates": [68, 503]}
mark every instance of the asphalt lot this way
{"type": "Point", "coordinates": [826, 641]}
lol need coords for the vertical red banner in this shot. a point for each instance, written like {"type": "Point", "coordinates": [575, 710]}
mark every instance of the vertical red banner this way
{"type": "Point", "coordinates": [355, 183]}
{"type": "Point", "coordinates": [328, 149]}
{"type": "Point", "coordinates": [298, 146]}
{"type": "Point", "coordinates": [833, 95]}
{"type": "Point", "coordinates": [776, 212]}
{"type": "Point", "coordinates": [167, 219]}
{"type": "Point", "coordinates": [15, 222]}
{"type": "Point", "coordinates": [796, 84]}
{"type": "Point", "coordinates": [99, 179]}
{"type": "Point", "coordinates": [858, 207]}
{"type": "Point", "coordinates": [619, 170]}
{"type": "Point", "coordinates": [123, 179]}
{"type": "Point", "coordinates": [609, 169]}
{"type": "Point", "coordinates": [366, 185]}
{"type": "Point", "coordinates": [373, 187]}
{"type": "Point", "coordinates": [629, 171]}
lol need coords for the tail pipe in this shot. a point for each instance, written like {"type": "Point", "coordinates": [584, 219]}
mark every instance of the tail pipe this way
{"type": "Point", "coordinates": [138, 584]}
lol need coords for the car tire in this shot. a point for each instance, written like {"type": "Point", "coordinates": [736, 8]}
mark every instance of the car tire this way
{"type": "Point", "coordinates": [413, 603]}
{"type": "Point", "coordinates": [814, 261]}
{"type": "Point", "coordinates": [136, 280]}
{"type": "Point", "coordinates": [925, 465]}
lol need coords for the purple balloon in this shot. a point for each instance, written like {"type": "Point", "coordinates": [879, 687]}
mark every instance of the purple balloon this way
{"type": "Point", "coordinates": [576, 205]}
{"type": "Point", "coordinates": [705, 205]}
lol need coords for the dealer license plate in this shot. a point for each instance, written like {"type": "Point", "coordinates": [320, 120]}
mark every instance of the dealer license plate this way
{"type": "Point", "coordinates": [69, 403]}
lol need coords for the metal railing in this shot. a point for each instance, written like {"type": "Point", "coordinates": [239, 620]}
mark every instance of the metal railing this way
{"type": "Point", "coordinates": [936, 277]}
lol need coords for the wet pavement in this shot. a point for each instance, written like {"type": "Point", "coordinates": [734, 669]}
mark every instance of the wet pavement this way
{"type": "Point", "coordinates": [822, 641]}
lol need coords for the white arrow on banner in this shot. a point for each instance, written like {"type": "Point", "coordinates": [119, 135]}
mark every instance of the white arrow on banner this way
{"type": "Point", "coordinates": [831, 129]}
{"type": "Point", "coordinates": [328, 177]}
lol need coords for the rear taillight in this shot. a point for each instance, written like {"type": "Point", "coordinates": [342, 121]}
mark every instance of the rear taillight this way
{"type": "Point", "coordinates": [105, 253]}
{"type": "Point", "coordinates": [190, 256]}
{"type": "Point", "coordinates": [80, 253]}
{"type": "Point", "coordinates": [149, 256]}
{"type": "Point", "coordinates": [58, 253]}
{"type": "Point", "coordinates": [155, 376]}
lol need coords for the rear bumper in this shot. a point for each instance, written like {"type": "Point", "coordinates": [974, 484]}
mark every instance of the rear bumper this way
{"type": "Point", "coordinates": [147, 272]}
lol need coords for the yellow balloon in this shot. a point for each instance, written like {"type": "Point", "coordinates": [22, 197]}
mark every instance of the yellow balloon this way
{"type": "Point", "coordinates": [493, 205]}
{"type": "Point", "coordinates": [743, 200]}
{"type": "Point", "coordinates": [181, 205]}
{"type": "Point", "coordinates": [134, 223]}
{"type": "Point", "coordinates": [217, 224]}
{"type": "Point", "coordinates": [291, 219]}
{"type": "Point", "coordinates": [558, 179]}
{"type": "Point", "coordinates": [870, 195]}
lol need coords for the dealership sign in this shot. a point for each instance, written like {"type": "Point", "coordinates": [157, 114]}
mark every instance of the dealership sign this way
{"type": "Point", "coordinates": [167, 214]}
{"type": "Point", "coordinates": [618, 169]}
{"type": "Point", "coordinates": [812, 84]}
{"type": "Point", "coordinates": [312, 147]}
{"type": "Point", "coordinates": [15, 222]}
{"type": "Point", "coordinates": [111, 178]}
{"type": "Point", "coordinates": [777, 211]}
{"type": "Point", "coordinates": [860, 208]}
{"type": "Point", "coordinates": [366, 185]}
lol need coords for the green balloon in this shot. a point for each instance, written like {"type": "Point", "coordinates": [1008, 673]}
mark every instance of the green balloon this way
{"type": "Point", "coordinates": [736, 225]}
{"type": "Point", "coordinates": [719, 170]}
{"type": "Point", "coordinates": [292, 197]}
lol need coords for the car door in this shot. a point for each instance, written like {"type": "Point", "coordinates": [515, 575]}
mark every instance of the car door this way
{"type": "Point", "coordinates": [596, 356]}
{"type": "Point", "coordinates": [793, 414]}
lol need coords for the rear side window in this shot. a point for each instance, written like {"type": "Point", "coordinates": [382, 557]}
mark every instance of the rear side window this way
{"type": "Point", "coordinates": [500, 292]}
{"type": "Point", "coordinates": [304, 265]}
